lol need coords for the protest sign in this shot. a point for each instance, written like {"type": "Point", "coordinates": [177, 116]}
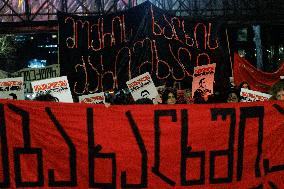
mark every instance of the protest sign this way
{"type": "Point", "coordinates": [203, 79]}
{"type": "Point", "coordinates": [57, 87]}
{"type": "Point", "coordinates": [12, 88]}
{"type": "Point", "coordinates": [142, 86]}
{"type": "Point", "coordinates": [252, 96]}
{"type": "Point", "coordinates": [96, 98]}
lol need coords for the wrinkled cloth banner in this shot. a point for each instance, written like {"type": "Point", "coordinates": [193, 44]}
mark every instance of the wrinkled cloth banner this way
{"type": "Point", "coordinates": [257, 79]}
{"type": "Point", "coordinates": [65, 145]}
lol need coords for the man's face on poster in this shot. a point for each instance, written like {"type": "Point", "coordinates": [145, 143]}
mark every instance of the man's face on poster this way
{"type": "Point", "coordinates": [145, 94]}
{"type": "Point", "coordinates": [202, 83]}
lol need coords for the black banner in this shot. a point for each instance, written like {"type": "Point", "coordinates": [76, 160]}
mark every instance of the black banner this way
{"type": "Point", "coordinates": [100, 53]}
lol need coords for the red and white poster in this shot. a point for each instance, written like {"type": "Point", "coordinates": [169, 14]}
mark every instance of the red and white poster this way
{"type": "Point", "coordinates": [142, 86]}
{"type": "Point", "coordinates": [96, 98]}
{"type": "Point", "coordinates": [12, 88]}
{"type": "Point", "coordinates": [203, 79]}
{"type": "Point", "coordinates": [252, 96]}
{"type": "Point", "coordinates": [57, 87]}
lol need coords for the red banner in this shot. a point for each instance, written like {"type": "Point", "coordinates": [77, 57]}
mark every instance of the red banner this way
{"type": "Point", "coordinates": [46, 145]}
{"type": "Point", "coordinates": [257, 79]}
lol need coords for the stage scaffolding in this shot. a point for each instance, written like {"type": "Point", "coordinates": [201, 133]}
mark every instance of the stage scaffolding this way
{"type": "Point", "coordinates": [40, 16]}
{"type": "Point", "coordinates": [29, 11]}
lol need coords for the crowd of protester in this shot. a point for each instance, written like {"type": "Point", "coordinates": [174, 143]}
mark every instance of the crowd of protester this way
{"type": "Point", "coordinates": [171, 95]}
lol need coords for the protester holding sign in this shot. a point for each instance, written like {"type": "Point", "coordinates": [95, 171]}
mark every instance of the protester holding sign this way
{"type": "Point", "coordinates": [188, 96]}
{"type": "Point", "coordinates": [169, 96]}
{"type": "Point", "coordinates": [243, 85]}
{"type": "Point", "coordinates": [144, 101]}
{"type": "Point", "coordinates": [233, 96]}
{"type": "Point", "coordinates": [203, 98]}
{"type": "Point", "coordinates": [46, 97]}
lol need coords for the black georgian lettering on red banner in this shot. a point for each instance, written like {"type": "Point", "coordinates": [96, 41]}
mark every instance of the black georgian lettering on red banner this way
{"type": "Point", "coordinates": [72, 157]}
{"type": "Point", "coordinates": [246, 113]}
{"type": "Point", "coordinates": [27, 149]}
{"type": "Point", "coordinates": [186, 153]}
{"type": "Point", "coordinates": [266, 163]}
{"type": "Point", "coordinates": [144, 158]}
{"type": "Point", "coordinates": [4, 150]}
{"type": "Point", "coordinates": [156, 167]}
{"type": "Point", "coordinates": [94, 153]}
{"type": "Point", "coordinates": [224, 112]}
{"type": "Point", "coordinates": [278, 108]}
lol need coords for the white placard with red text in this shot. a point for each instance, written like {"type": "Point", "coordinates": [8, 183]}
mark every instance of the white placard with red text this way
{"type": "Point", "coordinates": [142, 86]}
{"type": "Point", "coordinates": [203, 79]}
{"type": "Point", "coordinates": [252, 96]}
{"type": "Point", "coordinates": [96, 98]}
{"type": "Point", "coordinates": [57, 87]}
{"type": "Point", "coordinates": [12, 88]}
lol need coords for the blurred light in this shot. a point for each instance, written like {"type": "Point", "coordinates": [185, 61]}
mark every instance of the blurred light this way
{"type": "Point", "coordinates": [32, 37]}
{"type": "Point", "coordinates": [20, 38]}
{"type": "Point", "coordinates": [35, 63]}
{"type": "Point", "coordinates": [47, 46]}
{"type": "Point", "coordinates": [30, 95]}
{"type": "Point", "coordinates": [54, 36]}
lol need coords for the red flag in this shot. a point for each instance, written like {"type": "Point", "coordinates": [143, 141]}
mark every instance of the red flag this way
{"type": "Point", "coordinates": [257, 79]}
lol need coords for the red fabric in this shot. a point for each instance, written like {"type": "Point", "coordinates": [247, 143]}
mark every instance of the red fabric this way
{"type": "Point", "coordinates": [257, 79]}
{"type": "Point", "coordinates": [262, 154]}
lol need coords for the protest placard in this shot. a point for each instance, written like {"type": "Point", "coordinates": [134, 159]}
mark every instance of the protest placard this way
{"type": "Point", "coordinates": [252, 96]}
{"type": "Point", "coordinates": [12, 88]}
{"type": "Point", "coordinates": [142, 86]}
{"type": "Point", "coordinates": [203, 79]}
{"type": "Point", "coordinates": [96, 98]}
{"type": "Point", "coordinates": [57, 87]}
